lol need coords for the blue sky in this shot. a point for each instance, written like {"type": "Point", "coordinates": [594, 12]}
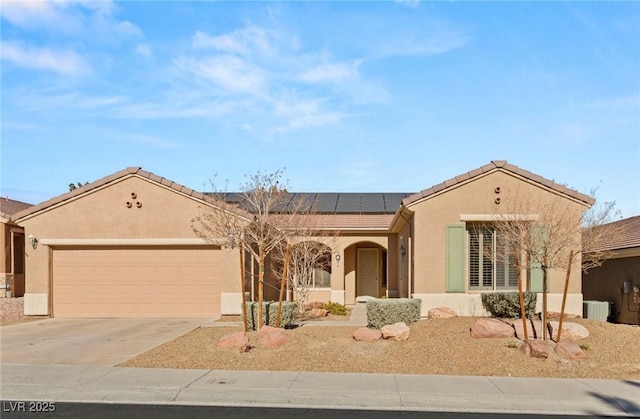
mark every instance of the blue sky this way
{"type": "Point", "coordinates": [347, 96]}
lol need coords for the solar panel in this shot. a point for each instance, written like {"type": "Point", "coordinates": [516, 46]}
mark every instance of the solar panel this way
{"type": "Point", "coordinates": [326, 202]}
{"type": "Point", "coordinates": [330, 203]}
{"type": "Point", "coordinates": [348, 203]}
{"type": "Point", "coordinates": [373, 203]}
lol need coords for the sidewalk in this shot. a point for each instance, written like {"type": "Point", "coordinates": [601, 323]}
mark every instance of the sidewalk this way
{"type": "Point", "coordinates": [320, 390]}
{"type": "Point", "coordinates": [515, 395]}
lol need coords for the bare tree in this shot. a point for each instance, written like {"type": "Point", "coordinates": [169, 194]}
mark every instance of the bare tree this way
{"type": "Point", "coordinates": [305, 260]}
{"type": "Point", "coordinates": [258, 222]}
{"type": "Point", "coordinates": [554, 233]}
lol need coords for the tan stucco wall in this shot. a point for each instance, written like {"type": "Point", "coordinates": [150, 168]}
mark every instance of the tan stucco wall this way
{"type": "Point", "coordinates": [605, 283]}
{"type": "Point", "coordinates": [103, 214]}
{"type": "Point", "coordinates": [432, 215]}
{"type": "Point", "coordinates": [345, 274]}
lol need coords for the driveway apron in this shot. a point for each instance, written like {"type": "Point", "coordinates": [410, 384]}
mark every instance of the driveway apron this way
{"type": "Point", "coordinates": [99, 341]}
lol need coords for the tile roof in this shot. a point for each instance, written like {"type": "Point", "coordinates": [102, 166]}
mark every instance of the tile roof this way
{"type": "Point", "coordinates": [8, 207]}
{"type": "Point", "coordinates": [108, 179]}
{"type": "Point", "coordinates": [349, 221]}
{"type": "Point", "coordinates": [629, 236]}
{"type": "Point", "coordinates": [498, 165]}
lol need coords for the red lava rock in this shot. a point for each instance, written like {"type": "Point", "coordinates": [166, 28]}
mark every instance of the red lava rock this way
{"type": "Point", "coordinates": [491, 328]}
{"type": "Point", "coordinates": [234, 340]}
{"type": "Point", "coordinates": [364, 333]}
{"type": "Point", "coordinates": [273, 337]}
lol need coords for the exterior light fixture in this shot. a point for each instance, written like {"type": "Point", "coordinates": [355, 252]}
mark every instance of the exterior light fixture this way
{"type": "Point", "coordinates": [403, 250]}
{"type": "Point", "coordinates": [33, 241]}
{"type": "Point", "coordinates": [337, 259]}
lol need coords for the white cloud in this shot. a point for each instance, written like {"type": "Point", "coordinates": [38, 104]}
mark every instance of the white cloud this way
{"type": "Point", "coordinates": [63, 62]}
{"type": "Point", "coordinates": [304, 113]}
{"type": "Point", "coordinates": [227, 71]}
{"type": "Point", "coordinates": [331, 72]}
{"type": "Point", "coordinates": [31, 14]}
{"type": "Point", "coordinates": [90, 17]}
{"type": "Point", "coordinates": [246, 41]}
{"type": "Point", "coordinates": [144, 50]}
{"type": "Point", "coordinates": [127, 28]}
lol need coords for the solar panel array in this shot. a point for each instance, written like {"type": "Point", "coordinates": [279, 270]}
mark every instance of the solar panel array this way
{"type": "Point", "coordinates": [333, 202]}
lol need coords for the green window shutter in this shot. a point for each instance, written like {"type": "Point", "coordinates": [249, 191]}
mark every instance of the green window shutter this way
{"type": "Point", "coordinates": [455, 257]}
{"type": "Point", "coordinates": [540, 235]}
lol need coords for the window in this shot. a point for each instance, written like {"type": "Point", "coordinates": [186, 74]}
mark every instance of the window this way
{"type": "Point", "coordinates": [491, 260]}
{"type": "Point", "coordinates": [310, 265]}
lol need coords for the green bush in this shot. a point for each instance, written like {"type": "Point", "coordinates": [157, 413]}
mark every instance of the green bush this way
{"type": "Point", "coordinates": [384, 311]}
{"type": "Point", "coordinates": [507, 304]}
{"type": "Point", "coordinates": [270, 313]}
{"type": "Point", "coordinates": [335, 308]}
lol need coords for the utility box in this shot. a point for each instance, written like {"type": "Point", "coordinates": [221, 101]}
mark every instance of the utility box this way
{"type": "Point", "coordinates": [595, 310]}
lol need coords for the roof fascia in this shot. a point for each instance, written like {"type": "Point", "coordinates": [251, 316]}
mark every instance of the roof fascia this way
{"type": "Point", "coordinates": [505, 171]}
{"type": "Point", "coordinates": [106, 182]}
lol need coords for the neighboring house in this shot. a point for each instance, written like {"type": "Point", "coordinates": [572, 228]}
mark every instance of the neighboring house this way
{"type": "Point", "coordinates": [607, 282]}
{"type": "Point", "coordinates": [12, 244]}
{"type": "Point", "coordinates": [124, 246]}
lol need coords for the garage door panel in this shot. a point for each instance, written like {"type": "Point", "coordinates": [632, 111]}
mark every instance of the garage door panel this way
{"type": "Point", "coordinates": [145, 282]}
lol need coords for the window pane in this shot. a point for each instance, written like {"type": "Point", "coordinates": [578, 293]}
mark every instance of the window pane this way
{"type": "Point", "coordinates": [322, 279]}
{"type": "Point", "coordinates": [474, 258]}
{"type": "Point", "coordinates": [513, 272]}
{"type": "Point", "coordinates": [487, 258]}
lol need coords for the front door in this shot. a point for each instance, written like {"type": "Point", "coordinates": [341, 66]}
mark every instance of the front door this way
{"type": "Point", "coordinates": [368, 278]}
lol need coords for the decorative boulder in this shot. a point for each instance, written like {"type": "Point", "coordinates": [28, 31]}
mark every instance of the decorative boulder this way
{"type": "Point", "coordinates": [571, 331]}
{"type": "Point", "coordinates": [441, 313]}
{"type": "Point", "coordinates": [570, 350]}
{"type": "Point", "coordinates": [517, 325]}
{"type": "Point", "coordinates": [537, 328]}
{"type": "Point", "coordinates": [535, 348]}
{"type": "Point", "coordinates": [364, 333]}
{"type": "Point", "coordinates": [234, 340]}
{"type": "Point", "coordinates": [491, 328]}
{"type": "Point", "coordinates": [319, 312]}
{"type": "Point", "coordinates": [397, 331]}
{"type": "Point", "coordinates": [315, 304]}
{"type": "Point", "coordinates": [273, 337]}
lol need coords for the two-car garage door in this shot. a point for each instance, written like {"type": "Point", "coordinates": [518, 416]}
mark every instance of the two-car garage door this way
{"type": "Point", "coordinates": [151, 281]}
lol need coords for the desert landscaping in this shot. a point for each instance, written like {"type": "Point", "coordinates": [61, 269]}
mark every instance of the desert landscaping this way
{"type": "Point", "coordinates": [435, 346]}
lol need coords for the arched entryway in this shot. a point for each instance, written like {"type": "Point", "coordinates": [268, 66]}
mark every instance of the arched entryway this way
{"type": "Point", "coordinates": [367, 276]}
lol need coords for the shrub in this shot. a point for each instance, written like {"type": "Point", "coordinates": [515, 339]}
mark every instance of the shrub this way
{"type": "Point", "coordinates": [270, 313]}
{"type": "Point", "coordinates": [507, 304]}
{"type": "Point", "coordinates": [335, 308]}
{"type": "Point", "coordinates": [381, 312]}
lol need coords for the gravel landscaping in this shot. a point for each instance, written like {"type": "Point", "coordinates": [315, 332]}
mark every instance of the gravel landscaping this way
{"type": "Point", "coordinates": [12, 312]}
{"type": "Point", "coordinates": [437, 346]}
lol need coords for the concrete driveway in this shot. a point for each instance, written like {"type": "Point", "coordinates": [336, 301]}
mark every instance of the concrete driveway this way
{"type": "Point", "coordinates": [107, 342]}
